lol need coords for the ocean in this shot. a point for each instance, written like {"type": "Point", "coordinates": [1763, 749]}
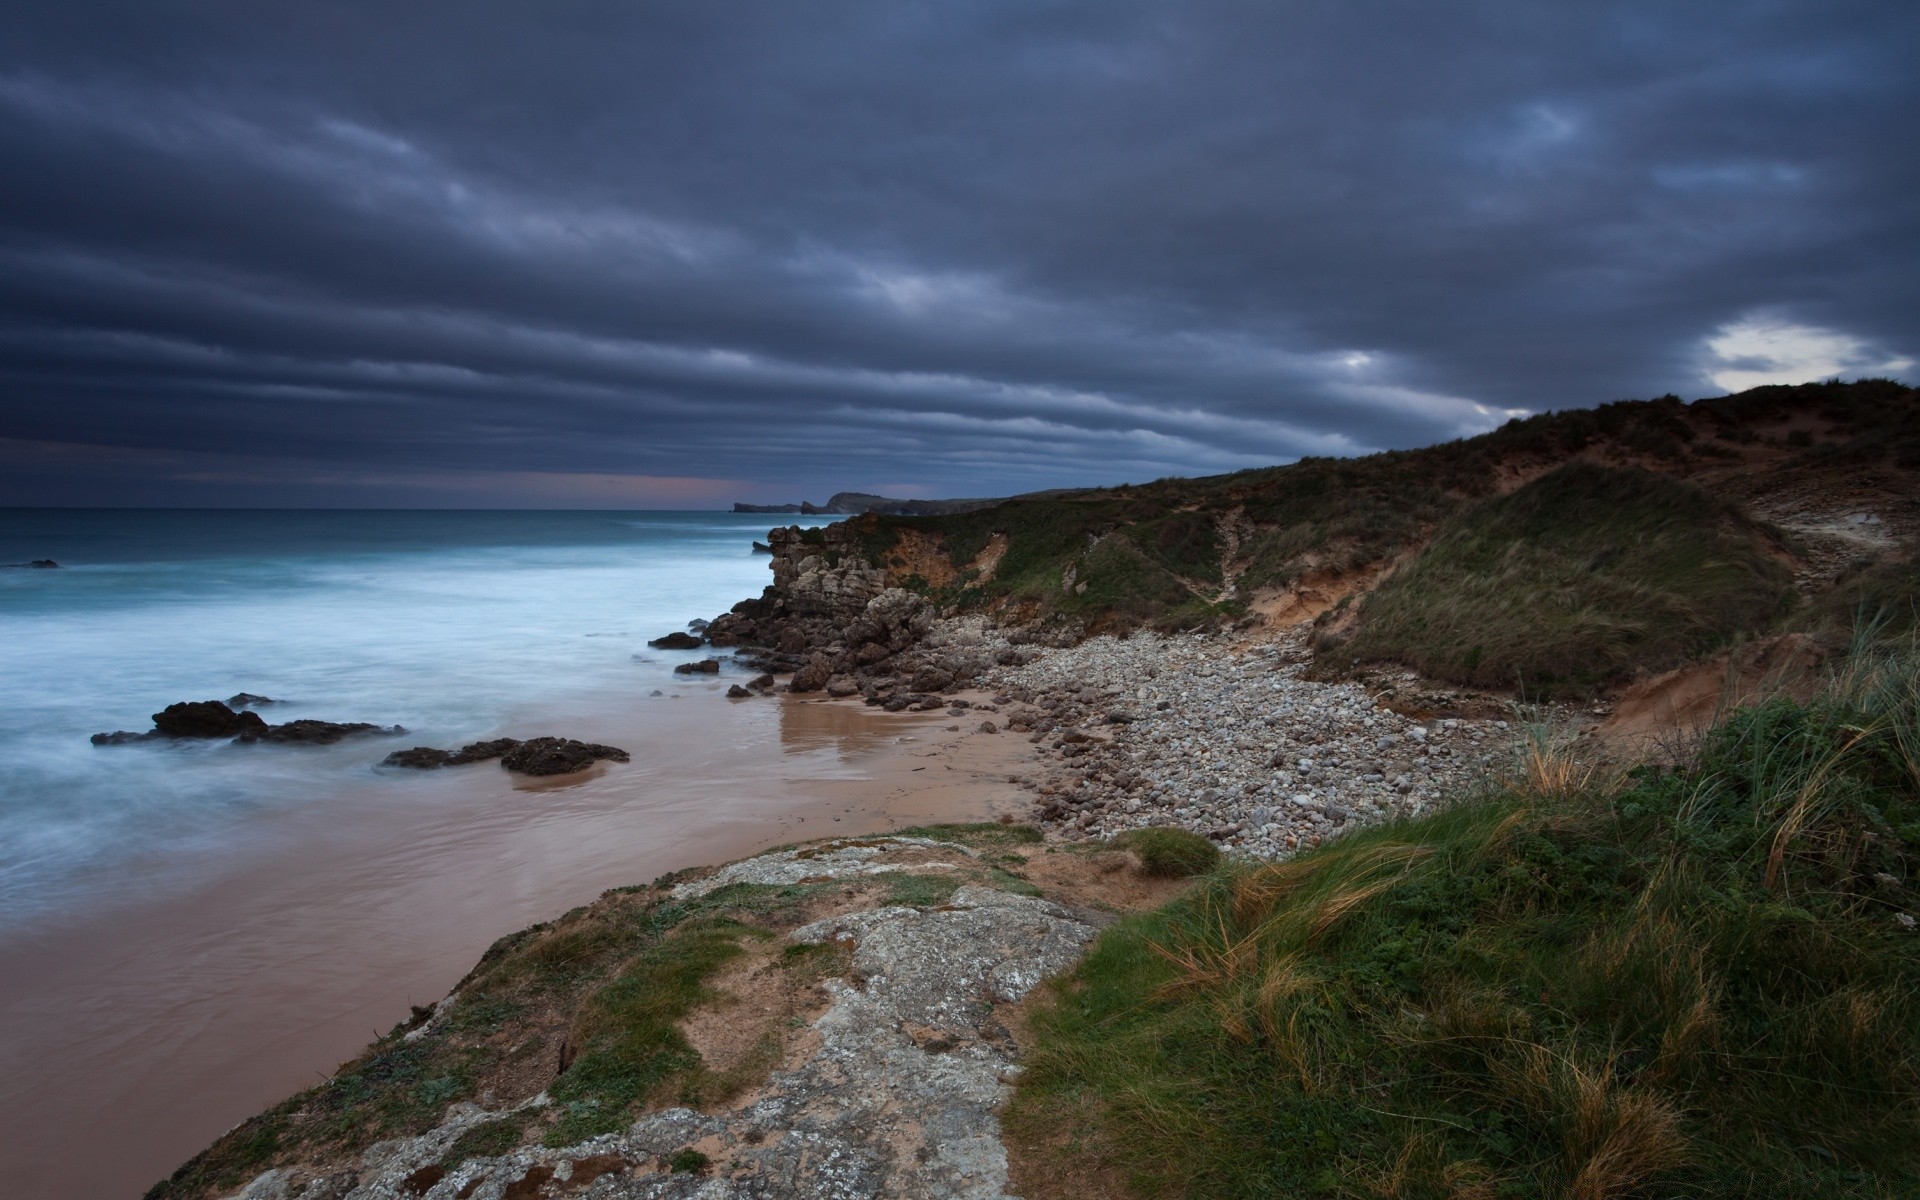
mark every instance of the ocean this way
{"type": "Point", "coordinates": [457, 625]}
{"type": "Point", "coordinates": [190, 932]}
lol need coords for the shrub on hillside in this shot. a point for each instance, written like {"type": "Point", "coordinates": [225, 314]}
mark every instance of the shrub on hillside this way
{"type": "Point", "coordinates": [1170, 853]}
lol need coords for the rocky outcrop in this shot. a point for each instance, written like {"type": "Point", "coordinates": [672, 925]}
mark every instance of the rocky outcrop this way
{"type": "Point", "coordinates": [38, 564]}
{"type": "Point", "coordinates": [676, 641]}
{"type": "Point", "coordinates": [558, 756]}
{"type": "Point", "coordinates": [207, 719]}
{"type": "Point", "coordinates": [249, 700]}
{"type": "Point", "coordinates": [424, 758]}
{"type": "Point", "coordinates": [534, 756]}
{"type": "Point", "coordinates": [204, 719]}
{"type": "Point", "coordinates": [706, 666]}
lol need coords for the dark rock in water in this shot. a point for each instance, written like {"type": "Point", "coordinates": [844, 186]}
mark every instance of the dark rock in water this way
{"type": "Point", "coordinates": [706, 666]}
{"type": "Point", "coordinates": [676, 641]}
{"type": "Point", "coordinates": [426, 758]}
{"type": "Point", "coordinates": [762, 682]}
{"type": "Point", "coordinates": [212, 719]}
{"type": "Point", "coordinates": [474, 752]}
{"type": "Point", "coordinates": [656, 692]}
{"type": "Point", "coordinates": [420, 758]}
{"type": "Point", "coordinates": [698, 625]}
{"type": "Point", "coordinates": [248, 700]}
{"type": "Point", "coordinates": [558, 756]}
{"type": "Point", "coordinates": [736, 692]}
{"type": "Point", "coordinates": [204, 719]}
{"type": "Point", "coordinates": [121, 738]}
{"type": "Point", "coordinates": [41, 564]}
{"type": "Point", "coordinates": [762, 548]}
{"type": "Point", "coordinates": [315, 733]}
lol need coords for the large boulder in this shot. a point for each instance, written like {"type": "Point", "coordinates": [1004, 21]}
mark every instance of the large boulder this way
{"type": "Point", "coordinates": [842, 686]}
{"type": "Point", "coordinates": [706, 666]}
{"type": "Point", "coordinates": [558, 756]}
{"type": "Point", "coordinates": [676, 641]}
{"type": "Point", "coordinates": [813, 676]}
{"type": "Point", "coordinates": [931, 679]}
{"type": "Point", "coordinates": [204, 719]}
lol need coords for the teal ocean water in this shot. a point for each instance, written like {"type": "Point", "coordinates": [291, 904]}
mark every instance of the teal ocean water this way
{"type": "Point", "coordinates": [455, 624]}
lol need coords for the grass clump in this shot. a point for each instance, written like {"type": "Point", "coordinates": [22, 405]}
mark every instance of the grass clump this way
{"type": "Point", "coordinates": [1686, 982]}
{"type": "Point", "coordinates": [1170, 853]}
{"type": "Point", "coordinates": [1575, 580]}
{"type": "Point", "coordinates": [688, 1162]}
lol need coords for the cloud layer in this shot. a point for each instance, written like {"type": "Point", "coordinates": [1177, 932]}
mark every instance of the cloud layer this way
{"type": "Point", "coordinates": [647, 254]}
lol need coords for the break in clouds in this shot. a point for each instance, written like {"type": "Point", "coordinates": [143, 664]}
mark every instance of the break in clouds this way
{"type": "Point", "coordinates": [666, 255]}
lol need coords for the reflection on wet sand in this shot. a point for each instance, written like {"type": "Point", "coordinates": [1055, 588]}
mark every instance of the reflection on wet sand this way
{"type": "Point", "coordinates": [853, 731]}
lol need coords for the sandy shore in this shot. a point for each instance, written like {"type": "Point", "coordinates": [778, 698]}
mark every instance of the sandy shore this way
{"type": "Point", "coordinates": [210, 988]}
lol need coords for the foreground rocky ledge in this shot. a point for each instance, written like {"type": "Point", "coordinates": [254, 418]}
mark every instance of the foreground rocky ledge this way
{"type": "Point", "coordinates": [887, 1070]}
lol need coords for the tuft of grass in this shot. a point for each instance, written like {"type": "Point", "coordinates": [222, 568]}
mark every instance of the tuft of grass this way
{"type": "Point", "coordinates": [1168, 852]}
{"type": "Point", "coordinates": [688, 1162]}
{"type": "Point", "coordinates": [1572, 582]}
{"type": "Point", "coordinates": [1690, 981]}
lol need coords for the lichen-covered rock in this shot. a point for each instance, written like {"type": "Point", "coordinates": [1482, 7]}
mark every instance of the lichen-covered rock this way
{"type": "Point", "coordinates": [846, 859]}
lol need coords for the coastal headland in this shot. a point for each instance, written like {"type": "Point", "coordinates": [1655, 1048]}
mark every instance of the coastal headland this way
{"type": "Point", "coordinates": [1401, 825]}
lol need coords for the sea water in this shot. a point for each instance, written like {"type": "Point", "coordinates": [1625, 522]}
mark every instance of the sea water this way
{"type": "Point", "coordinates": [448, 623]}
{"type": "Point", "coordinates": [191, 930]}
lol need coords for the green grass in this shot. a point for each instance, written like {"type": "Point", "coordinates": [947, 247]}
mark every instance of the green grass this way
{"type": "Point", "coordinates": [1574, 581]}
{"type": "Point", "coordinates": [920, 891]}
{"type": "Point", "coordinates": [1170, 853]}
{"type": "Point", "coordinates": [976, 834]}
{"type": "Point", "coordinates": [628, 1031]}
{"type": "Point", "coordinates": [1687, 982]}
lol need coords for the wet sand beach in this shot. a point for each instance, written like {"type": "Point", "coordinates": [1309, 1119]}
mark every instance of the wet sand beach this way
{"type": "Point", "coordinates": [215, 983]}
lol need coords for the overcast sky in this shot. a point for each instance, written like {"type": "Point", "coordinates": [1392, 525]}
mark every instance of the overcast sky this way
{"type": "Point", "coordinates": [672, 255]}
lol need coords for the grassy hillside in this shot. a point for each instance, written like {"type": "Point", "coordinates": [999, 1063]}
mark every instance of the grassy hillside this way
{"type": "Point", "coordinates": [1182, 552]}
{"type": "Point", "coordinates": [1697, 982]}
{"type": "Point", "coordinates": [1577, 579]}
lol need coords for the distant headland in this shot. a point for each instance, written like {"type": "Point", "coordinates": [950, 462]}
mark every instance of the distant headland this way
{"type": "Point", "coordinates": [854, 503]}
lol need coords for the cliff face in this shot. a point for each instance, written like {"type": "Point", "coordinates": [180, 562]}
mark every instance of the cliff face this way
{"type": "Point", "coordinates": [1396, 553]}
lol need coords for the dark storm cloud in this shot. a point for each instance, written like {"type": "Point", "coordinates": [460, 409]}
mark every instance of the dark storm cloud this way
{"type": "Point", "coordinates": [604, 252]}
